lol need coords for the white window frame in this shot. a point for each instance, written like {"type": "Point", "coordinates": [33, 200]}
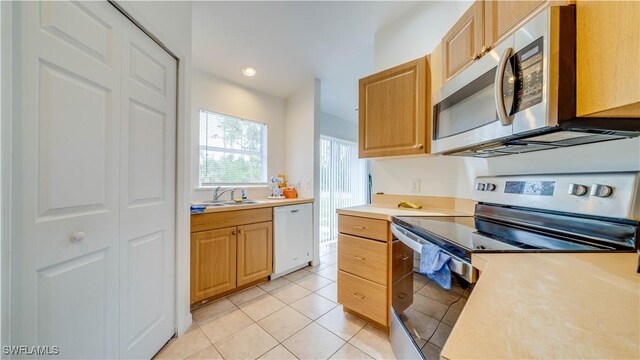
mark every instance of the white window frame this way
{"type": "Point", "coordinates": [263, 153]}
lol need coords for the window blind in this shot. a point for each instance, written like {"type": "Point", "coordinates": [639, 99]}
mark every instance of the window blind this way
{"type": "Point", "coordinates": [232, 150]}
{"type": "Point", "coordinates": [342, 183]}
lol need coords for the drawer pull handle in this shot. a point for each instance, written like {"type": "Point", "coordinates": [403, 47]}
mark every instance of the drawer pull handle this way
{"type": "Point", "coordinates": [359, 227]}
{"type": "Point", "coordinates": [402, 295]}
{"type": "Point", "coordinates": [359, 296]}
{"type": "Point", "coordinates": [233, 232]}
{"type": "Point", "coordinates": [358, 257]}
{"type": "Point", "coordinates": [404, 258]}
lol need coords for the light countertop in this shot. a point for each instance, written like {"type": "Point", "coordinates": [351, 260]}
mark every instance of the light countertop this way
{"type": "Point", "coordinates": [386, 211]}
{"type": "Point", "coordinates": [261, 203]}
{"type": "Point", "coordinates": [550, 306]}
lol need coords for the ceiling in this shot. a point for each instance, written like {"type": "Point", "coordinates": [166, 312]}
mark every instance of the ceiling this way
{"type": "Point", "coordinates": [290, 43]}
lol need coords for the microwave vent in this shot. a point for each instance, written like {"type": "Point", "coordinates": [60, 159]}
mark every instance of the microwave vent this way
{"type": "Point", "coordinates": [557, 136]}
{"type": "Point", "coordinates": [570, 138]}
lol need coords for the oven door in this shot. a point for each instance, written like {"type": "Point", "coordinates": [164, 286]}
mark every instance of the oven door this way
{"type": "Point", "coordinates": [417, 312]}
{"type": "Point", "coordinates": [459, 266]}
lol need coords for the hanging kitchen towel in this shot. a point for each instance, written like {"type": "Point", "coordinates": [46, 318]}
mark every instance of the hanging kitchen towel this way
{"type": "Point", "coordinates": [435, 264]}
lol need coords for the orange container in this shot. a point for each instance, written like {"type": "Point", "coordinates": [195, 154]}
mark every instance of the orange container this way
{"type": "Point", "coordinates": [290, 193]}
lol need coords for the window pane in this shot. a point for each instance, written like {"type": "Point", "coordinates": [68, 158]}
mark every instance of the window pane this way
{"type": "Point", "coordinates": [232, 150]}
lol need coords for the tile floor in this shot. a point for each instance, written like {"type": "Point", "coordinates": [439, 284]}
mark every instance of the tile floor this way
{"type": "Point", "coordinates": [297, 317]}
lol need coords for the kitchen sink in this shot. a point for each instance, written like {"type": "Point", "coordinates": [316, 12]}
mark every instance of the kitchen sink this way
{"type": "Point", "coordinates": [210, 203]}
{"type": "Point", "coordinates": [231, 203]}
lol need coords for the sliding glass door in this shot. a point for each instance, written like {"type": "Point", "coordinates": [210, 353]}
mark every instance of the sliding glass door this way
{"type": "Point", "coordinates": [342, 183]}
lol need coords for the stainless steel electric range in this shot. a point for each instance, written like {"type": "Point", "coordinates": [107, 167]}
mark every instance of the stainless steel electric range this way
{"type": "Point", "coordinates": [594, 212]}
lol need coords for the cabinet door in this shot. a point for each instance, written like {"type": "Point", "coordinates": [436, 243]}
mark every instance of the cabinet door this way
{"type": "Point", "coordinates": [393, 114]}
{"type": "Point", "coordinates": [501, 17]}
{"type": "Point", "coordinates": [213, 263]}
{"type": "Point", "coordinates": [255, 252]}
{"type": "Point", "coordinates": [463, 43]}
{"type": "Point", "coordinates": [608, 58]}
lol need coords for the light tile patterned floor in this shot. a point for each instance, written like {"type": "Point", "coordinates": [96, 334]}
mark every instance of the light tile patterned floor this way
{"type": "Point", "coordinates": [292, 317]}
{"type": "Point", "coordinates": [297, 317]}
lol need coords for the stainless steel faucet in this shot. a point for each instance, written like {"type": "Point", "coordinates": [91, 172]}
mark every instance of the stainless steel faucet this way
{"type": "Point", "coordinates": [217, 193]}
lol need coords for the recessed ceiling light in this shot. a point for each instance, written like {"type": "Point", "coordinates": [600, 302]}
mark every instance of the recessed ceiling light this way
{"type": "Point", "coordinates": [248, 70]}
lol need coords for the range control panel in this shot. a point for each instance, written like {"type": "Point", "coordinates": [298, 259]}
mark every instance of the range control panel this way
{"type": "Point", "coordinates": [598, 194]}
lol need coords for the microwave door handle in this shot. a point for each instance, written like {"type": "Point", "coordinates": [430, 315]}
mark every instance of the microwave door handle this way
{"type": "Point", "coordinates": [499, 94]}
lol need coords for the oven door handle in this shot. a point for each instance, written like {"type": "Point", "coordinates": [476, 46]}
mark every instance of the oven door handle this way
{"type": "Point", "coordinates": [458, 266]}
{"type": "Point", "coordinates": [498, 86]}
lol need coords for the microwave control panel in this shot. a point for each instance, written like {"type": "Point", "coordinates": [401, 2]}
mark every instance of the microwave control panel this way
{"type": "Point", "coordinates": [529, 76]}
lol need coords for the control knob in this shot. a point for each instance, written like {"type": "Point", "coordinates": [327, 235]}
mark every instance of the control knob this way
{"type": "Point", "coordinates": [600, 190]}
{"type": "Point", "coordinates": [480, 186]}
{"type": "Point", "coordinates": [490, 187]}
{"type": "Point", "coordinates": [577, 189]}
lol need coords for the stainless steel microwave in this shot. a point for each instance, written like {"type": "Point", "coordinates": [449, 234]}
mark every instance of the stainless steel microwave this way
{"type": "Point", "coordinates": [521, 96]}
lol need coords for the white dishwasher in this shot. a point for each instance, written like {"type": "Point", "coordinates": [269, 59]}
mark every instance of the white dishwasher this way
{"type": "Point", "coordinates": [293, 238]}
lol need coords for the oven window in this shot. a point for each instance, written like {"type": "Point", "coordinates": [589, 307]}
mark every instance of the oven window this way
{"type": "Point", "coordinates": [468, 108]}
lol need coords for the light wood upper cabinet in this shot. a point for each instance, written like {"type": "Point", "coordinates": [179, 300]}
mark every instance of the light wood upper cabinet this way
{"type": "Point", "coordinates": [393, 116]}
{"type": "Point", "coordinates": [213, 263]}
{"type": "Point", "coordinates": [255, 252]}
{"type": "Point", "coordinates": [608, 58]}
{"type": "Point", "coordinates": [501, 18]}
{"type": "Point", "coordinates": [463, 43]}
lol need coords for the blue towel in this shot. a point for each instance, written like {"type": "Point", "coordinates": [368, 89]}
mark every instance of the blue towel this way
{"type": "Point", "coordinates": [435, 264]}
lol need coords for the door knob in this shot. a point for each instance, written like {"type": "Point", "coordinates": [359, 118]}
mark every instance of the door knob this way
{"type": "Point", "coordinates": [485, 49]}
{"type": "Point", "coordinates": [475, 56]}
{"type": "Point", "coordinates": [77, 236]}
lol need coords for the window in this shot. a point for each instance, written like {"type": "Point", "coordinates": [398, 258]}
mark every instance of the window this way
{"type": "Point", "coordinates": [232, 150]}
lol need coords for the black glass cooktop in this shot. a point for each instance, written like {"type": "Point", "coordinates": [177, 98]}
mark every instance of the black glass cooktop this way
{"type": "Point", "coordinates": [463, 235]}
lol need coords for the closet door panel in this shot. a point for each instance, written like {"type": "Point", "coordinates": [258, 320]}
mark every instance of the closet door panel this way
{"type": "Point", "coordinates": [65, 159]}
{"type": "Point", "coordinates": [147, 188]}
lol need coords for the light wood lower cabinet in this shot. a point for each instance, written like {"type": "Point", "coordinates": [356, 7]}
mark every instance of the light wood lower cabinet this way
{"type": "Point", "coordinates": [255, 252]}
{"type": "Point", "coordinates": [363, 297]}
{"type": "Point", "coordinates": [362, 257]}
{"type": "Point", "coordinates": [213, 263]}
{"type": "Point", "coordinates": [229, 251]}
{"type": "Point", "coordinates": [364, 253]}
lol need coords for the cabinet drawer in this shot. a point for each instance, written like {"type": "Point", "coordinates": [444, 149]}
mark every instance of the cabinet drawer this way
{"type": "Point", "coordinates": [218, 220]}
{"type": "Point", "coordinates": [402, 293]}
{"type": "Point", "coordinates": [363, 296]}
{"type": "Point", "coordinates": [363, 257]}
{"type": "Point", "coordinates": [402, 260]}
{"type": "Point", "coordinates": [369, 228]}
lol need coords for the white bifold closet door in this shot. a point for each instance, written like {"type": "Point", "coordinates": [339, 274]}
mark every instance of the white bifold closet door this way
{"type": "Point", "coordinates": [93, 207]}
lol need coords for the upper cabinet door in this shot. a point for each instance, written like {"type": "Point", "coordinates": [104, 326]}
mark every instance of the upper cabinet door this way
{"type": "Point", "coordinates": [393, 113]}
{"type": "Point", "coordinates": [463, 43]}
{"type": "Point", "coordinates": [608, 58]}
{"type": "Point", "coordinates": [501, 18]}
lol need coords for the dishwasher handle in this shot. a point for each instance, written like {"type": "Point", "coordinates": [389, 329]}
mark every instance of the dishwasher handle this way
{"type": "Point", "coordinates": [457, 265]}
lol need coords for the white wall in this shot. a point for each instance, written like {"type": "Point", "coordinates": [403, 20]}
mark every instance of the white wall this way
{"type": "Point", "coordinates": [170, 22]}
{"type": "Point", "coordinates": [302, 137]}
{"type": "Point", "coordinates": [336, 127]}
{"type": "Point", "coordinates": [413, 35]}
{"type": "Point", "coordinates": [417, 33]}
{"type": "Point", "coordinates": [212, 93]}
